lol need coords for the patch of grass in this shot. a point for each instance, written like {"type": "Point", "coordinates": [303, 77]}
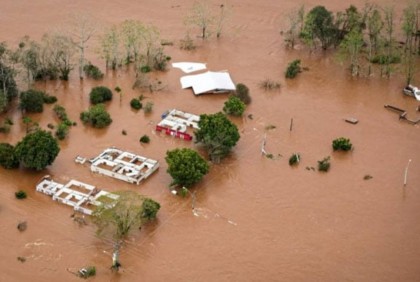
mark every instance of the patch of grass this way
{"type": "Point", "coordinates": [269, 84]}
{"type": "Point", "coordinates": [294, 159]}
{"type": "Point", "coordinates": [324, 164]}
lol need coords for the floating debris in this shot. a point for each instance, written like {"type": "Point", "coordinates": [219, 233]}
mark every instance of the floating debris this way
{"type": "Point", "coordinates": [351, 120]}
{"type": "Point", "coordinates": [22, 226]}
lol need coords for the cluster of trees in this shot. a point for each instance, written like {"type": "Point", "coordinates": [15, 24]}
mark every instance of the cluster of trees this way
{"type": "Point", "coordinates": [35, 151]}
{"type": "Point", "coordinates": [363, 37]}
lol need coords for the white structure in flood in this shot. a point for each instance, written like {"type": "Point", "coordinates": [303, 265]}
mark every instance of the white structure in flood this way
{"type": "Point", "coordinates": [123, 165]}
{"type": "Point", "coordinates": [81, 196]}
{"type": "Point", "coordinates": [175, 122]}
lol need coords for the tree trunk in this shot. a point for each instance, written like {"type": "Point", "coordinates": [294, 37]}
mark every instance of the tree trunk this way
{"type": "Point", "coordinates": [116, 257]}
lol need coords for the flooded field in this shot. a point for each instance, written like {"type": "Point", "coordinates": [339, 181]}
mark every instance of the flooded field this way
{"type": "Point", "coordinates": [256, 219]}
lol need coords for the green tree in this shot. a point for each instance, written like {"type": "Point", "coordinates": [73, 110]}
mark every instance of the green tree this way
{"type": "Point", "coordinates": [218, 135]}
{"type": "Point", "coordinates": [293, 69]}
{"type": "Point", "coordinates": [117, 218]}
{"type": "Point", "coordinates": [374, 26]}
{"type": "Point", "coordinates": [319, 25]}
{"type": "Point", "coordinates": [37, 150]}
{"type": "Point", "coordinates": [234, 106]}
{"type": "Point", "coordinates": [100, 94]}
{"type": "Point", "coordinates": [8, 159]}
{"type": "Point", "coordinates": [110, 47]}
{"type": "Point", "coordinates": [342, 144]}
{"type": "Point", "coordinates": [242, 92]}
{"type": "Point", "coordinates": [96, 116]}
{"type": "Point", "coordinates": [411, 19]}
{"type": "Point", "coordinates": [8, 85]}
{"type": "Point", "coordinates": [32, 101]}
{"type": "Point", "coordinates": [186, 167]}
{"type": "Point", "coordinates": [351, 47]}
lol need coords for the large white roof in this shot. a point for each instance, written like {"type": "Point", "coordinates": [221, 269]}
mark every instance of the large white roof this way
{"type": "Point", "coordinates": [208, 82]}
{"type": "Point", "coordinates": [188, 67]}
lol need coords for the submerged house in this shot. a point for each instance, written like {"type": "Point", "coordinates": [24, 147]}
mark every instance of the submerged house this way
{"type": "Point", "coordinates": [208, 82]}
{"type": "Point", "coordinates": [176, 123]}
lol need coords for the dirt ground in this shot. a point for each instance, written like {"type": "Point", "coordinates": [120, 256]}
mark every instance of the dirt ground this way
{"type": "Point", "coordinates": [256, 219]}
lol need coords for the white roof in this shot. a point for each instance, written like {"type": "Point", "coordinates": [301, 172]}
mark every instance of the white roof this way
{"type": "Point", "coordinates": [208, 82]}
{"type": "Point", "coordinates": [188, 67]}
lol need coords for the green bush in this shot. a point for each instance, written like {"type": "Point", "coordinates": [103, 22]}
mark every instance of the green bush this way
{"type": "Point", "coordinates": [32, 101]}
{"type": "Point", "coordinates": [60, 111]}
{"type": "Point", "coordinates": [93, 71]}
{"type": "Point", "coordinates": [234, 106]}
{"type": "Point", "coordinates": [8, 159]}
{"type": "Point", "coordinates": [20, 195]}
{"type": "Point", "coordinates": [242, 92]}
{"type": "Point", "coordinates": [145, 139]}
{"type": "Point", "coordinates": [49, 99]}
{"type": "Point", "coordinates": [324, 164]}
{"type": "Point", "coordinates": [62, 130]}
{"type": "Point", "coordinates": [150, 209]}
{"type": "Point", "coordinates": [145, 69]}
{"type": "Point", "coordinates": [294, 159]}
{"type": "Point", "coordinates": [136, 104]}
{"type": "Point", "coordinates": [384, 59]}
{"type": "Point", "coordinates": [87, 272]}
{"type": "Point", "coordinates": [96, 116]}
{"type": "Point", "coordinates": [293, 69]}
{"type": "Point", "coordinates": [100, 94]}
{"type": "Point", "coordinates": [342, 144]}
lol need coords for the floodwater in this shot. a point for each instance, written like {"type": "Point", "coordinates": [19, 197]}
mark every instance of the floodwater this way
{"type": "Point", "coordinates": [256, 219]}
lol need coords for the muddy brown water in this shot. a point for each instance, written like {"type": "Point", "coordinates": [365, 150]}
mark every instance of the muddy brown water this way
{"type": "Point", "coordinates": [256, 219]}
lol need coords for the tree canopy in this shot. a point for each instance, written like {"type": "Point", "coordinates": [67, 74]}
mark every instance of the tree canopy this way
{"type": "Point", "coordinates": [37, 150]}
{"type": "Point", "coordinates": [8, 159]}
{"type": "Point", "coordinates": [319, 25]}
{"type": "Point", "coordinates": [96, 116]}
{"type": "Point", "coordinates": [185, 166]}
{"type": "Point", "coordinates": [234, 106]}
{"type": "Point", "coordinates": [32, 101]}
{"type": "Point", "coordinates": [100, 94]}
{"type": "Point", "coordinates": [218, 134]}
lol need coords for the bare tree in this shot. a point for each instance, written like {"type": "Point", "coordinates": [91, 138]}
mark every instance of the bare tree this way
{"type": "Point", "coordinates": [201, 16]}
{"type": "Point", "coordinates": [221, 19]}
{"type": "Point", "coordinates": [60, 52]}
{"type": "Point", "coordinates": [82, 29]}
{"type": "Point", "coordinates": [295, 18]}
{"type": "Point", "coordinates": [409, 26]}
{"type": "Point", "coordinates": [111, 47]}
{"type": "Point", "coordinates": [374, 25]}
{"type": "Point", "coordinates": [389, 39]}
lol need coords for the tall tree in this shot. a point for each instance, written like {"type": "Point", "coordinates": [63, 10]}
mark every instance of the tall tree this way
{"type": "Point", "coordinates": [389, 40]}
{"type": "Point", "coordinates": [409, 27]}
{"type": "Point", "coordinates": [295, 19]}
{"type": "Point", "coordinates": [186, 167]}
{"type": "Point", "coordinates": [82, 29]}
{"type": "Point", "coordinates": [110, 47]}
{"type": "Point", "coordinates": [352, 46]}
{"type": "Point", "coordinates": [374, 26]}
{"type": "Point", "coordinates": [8, 87]}
{"type": "Point", "coordinates": [319, 25]}
{"type": "Point", "coordinates": [37, 150]}
{"type": "Point", "coordinates": [119, 217]}
{"type": "Point", "coordinates": [218, 135]}
{"type": "Point", "coordinates": [201, 16]}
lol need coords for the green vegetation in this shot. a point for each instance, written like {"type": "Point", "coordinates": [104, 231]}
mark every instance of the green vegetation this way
{"type": "Point", "coordinates": [129, 212]}
{"type": "Point", "coordinates": [319, 27]}
{"type": "Point", "coordinates": [186, 167]}
{"type": "Point", "coordinates": [234, 106]}
{"type": "Point", "coordinates": [242, 92]}
{"type": "Point", "coordinates": [62, 130]}
{"type": "Point", "coordinates": [20, 195]}
{"type": "Point", "coordinates": [218, 135]}
{"type": "Point", "coordinates": [87, 272]}
{"type": "Point", "coordinates": [342, 144]}
{"type": "Point", "coordinates": [96, 116]}
{"type": "Point", "coordinates": [293, 69]}
{"type": "Point", "coordinates": [324, 164]}
{"type": "Point", "coordinates": [100, 94]}
{"type": "Point", "coordinates": [136, 104]}
{"type": "Point", "coordinates": [37, 150]}
{"type": "Point", "coordinates": [92, 71]}
{"type": "Point", "coordinates": [8, 159]}
{"type": "Point", "coordinates": [6, 125]}
{"type": "Point", "coordinates": [49, 99]}
{"type": "Point", "coordinates": [145, 139]}
{"type": "Point", "coordinates": [294, 159]}
{"type": "Point", "coordinates": [32, 101]}
{"type": "Point", "coordinates": [60, 112]}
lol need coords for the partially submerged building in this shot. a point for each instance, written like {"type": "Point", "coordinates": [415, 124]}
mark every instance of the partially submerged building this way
{"type": "Point", "coordinates": [176, 123]}
{"type": "Point", "coordinates": [123, 165]}
{"type": "Point", "coordinates": [208, 82]}
{"type": "Point", "coordinates": [82, 197]}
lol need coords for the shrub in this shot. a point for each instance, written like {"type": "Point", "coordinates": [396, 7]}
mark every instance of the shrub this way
{"type": "Point", "coordinates": [145, 69]}
{"type": "Point", "coordinates": [60, 111]}
{"type": "Point", "coordinates": [294, 159]}
{"type": "Point", "coordinates": [148, 107]}
{"type": "Point", "coordinates": [293, 69]}
{"type": "Point", "coordinates": [342, 144]}
{"type": "Point", "coordinates": [187, 43]}
{"type": "Point", "coordinates": [269, 84]}
{"type": "Point", "coordinates": [96, 116]}
{"type": "Point", "coordinates": [5, 128]}
{"type": "Point", "coordinates": [234, 106]}
{"type": "Point", "coordinates": [324, 164]}
{"type": "Point", "coordinates": [93, 71]}
{"type": "Point", "coordinates": [49, 99]}
{"type": "Point", "coordinates": [242, 92]}
{"type": "Point", "coordinates": [87, 272]}
{"type": "Point", "coordinates": [20, 195]}
{"type": "Point", "coordinates": [8, 159]}
{"type": "Point", "coordinates": [62, 130]}
{"type": "Point", "coordinates": [136, 104]}
{"type": "Point", "coordinates": [150, 209]}
{"type": "Point", "coordinates": [145, 139]}
{"type": "Point", "coordinates": [32, 101]}
{"type": "Point", "coordinates": [384, 59]}
{"type": "Point", "coordinates": [100, 94]}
